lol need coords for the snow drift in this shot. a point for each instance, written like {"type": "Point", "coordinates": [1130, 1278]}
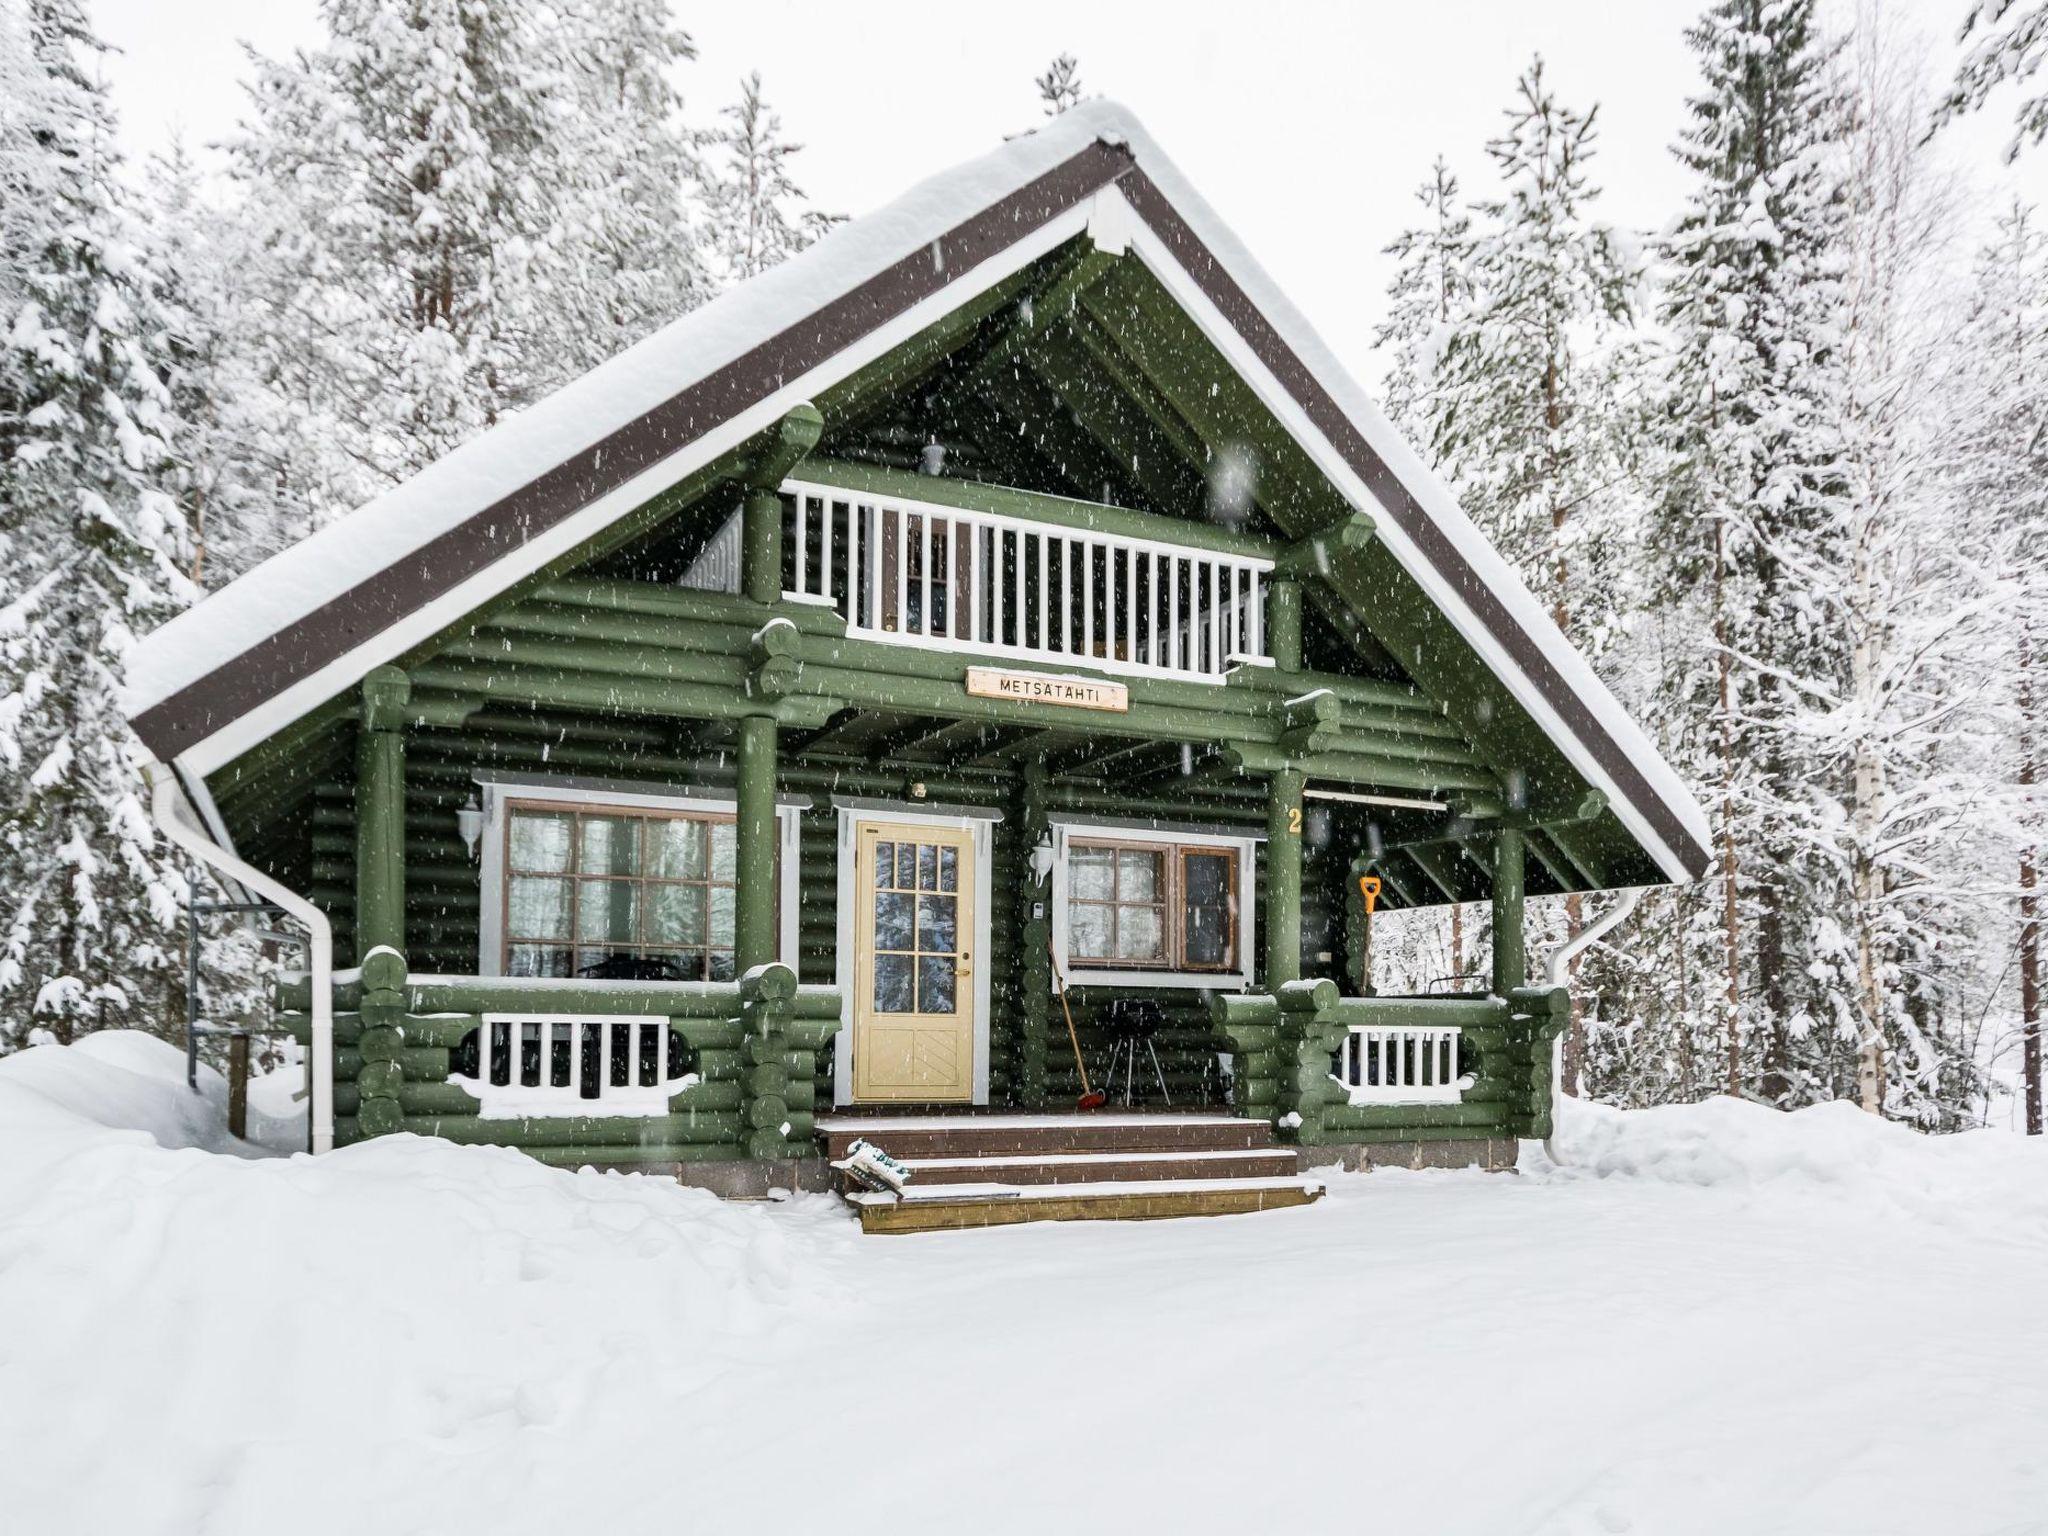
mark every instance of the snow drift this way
{"type": "Point", "coordinates": [1713, 1318]}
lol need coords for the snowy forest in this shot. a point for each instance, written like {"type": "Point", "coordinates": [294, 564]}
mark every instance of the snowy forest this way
{"type": "Point", "coordinates": [1776, 466]}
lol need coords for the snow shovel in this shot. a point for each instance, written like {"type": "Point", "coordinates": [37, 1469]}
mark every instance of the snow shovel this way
{"type": "Point", "coordinates": [1090, 1098]}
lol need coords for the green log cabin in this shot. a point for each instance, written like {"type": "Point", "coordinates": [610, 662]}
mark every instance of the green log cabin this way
{"type": "Point", "coordinates": [1005, 607]}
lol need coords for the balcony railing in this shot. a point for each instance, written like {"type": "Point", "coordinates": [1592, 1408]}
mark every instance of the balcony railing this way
{"type": "Point", "coordinates": [911, 572]}
{"type": "Point", "coordinates": [540, 1064]}
{"type": "Point", "coordinates": [1401, 1064]}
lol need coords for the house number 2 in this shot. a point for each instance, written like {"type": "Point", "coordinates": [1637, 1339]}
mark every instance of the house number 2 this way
{"type": "Point", "coordinates": [1294, 819]}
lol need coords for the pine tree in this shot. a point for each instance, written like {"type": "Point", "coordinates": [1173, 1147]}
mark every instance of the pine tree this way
{"type": "Point", "coordinates": [1755, 307]}
{"type": "Point", "coordinates": [2011, 42]}
{"type": "Point", "coordinates": [634, 256]}
{"type": "Point", "coordinates": [1059, 88]}
{"type": "Point", "coordinates": [94, 549]}
{"type": "Point", "coordinates": [1430, 293]}
{"type": "Point", "coordinates": [758, 214]}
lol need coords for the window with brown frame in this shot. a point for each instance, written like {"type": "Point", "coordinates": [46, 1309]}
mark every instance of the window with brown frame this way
{"type": "Point", "coordinates": [1151, 906]}
{"type": "Point", "coordinates": [617, 893]}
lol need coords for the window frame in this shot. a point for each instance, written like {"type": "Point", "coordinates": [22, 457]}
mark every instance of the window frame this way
{"type": "Point", "coordinates": [1174, 844]}
{"type": "Point", "coordinates": [502, 796]}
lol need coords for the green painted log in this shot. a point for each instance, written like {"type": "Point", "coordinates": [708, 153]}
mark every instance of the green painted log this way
{"type": "Point", "coordinates": [606, 1155]}
{"type": "Point", "coordinates": [756, 835]}
{"type": "Point", "coordinates": [427, 1063]}
{"type": "Point", "coordinates": [1419, 1012]}
{"type": "Point", "coordinates": [706, 1095]}
{"type": "Point", "coordinates": [1510, 963]}
{"type": "Point", "coordinates": [584, 1130]}
{"type": "Point", "coordinates": [1376, 1117]}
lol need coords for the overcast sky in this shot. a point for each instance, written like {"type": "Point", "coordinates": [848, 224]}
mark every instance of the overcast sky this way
{"type": "Point", "coordinates": [1308, 125]}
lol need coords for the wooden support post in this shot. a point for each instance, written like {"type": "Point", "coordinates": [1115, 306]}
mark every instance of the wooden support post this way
{"type": "Point", "coordinates": [1283, 629]}
{"type": "Point", "coordinates": [1034, 1070]}
{"type": "Point", "coordinates": [1283, 877]}
{"type": "Point", "coordinates": [380, 813]}
{"type": "Point", "coordinates": [238, 1084]}
{"type": "Point", "coordinates": [761, 513]}
{"type": "Point", "coordinates": [1510, 966]}
{"type": "Point", "coordinates": [754, 845]}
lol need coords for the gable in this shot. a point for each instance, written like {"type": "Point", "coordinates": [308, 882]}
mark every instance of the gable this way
{"type": "Point", "coordinates": [1175, 346]}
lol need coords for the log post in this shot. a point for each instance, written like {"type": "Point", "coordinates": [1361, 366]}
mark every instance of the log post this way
{"type": "Point", "coordinates": [1283, 629]}
{"type": "Point", "coordinates": [1283, 877]}
{"type": "Point", "coordinates": [754, 937]}
{"type": "Point", "coordinates": [1034, 1071]}
{"type": "Point", "coordinates": [380, 812]}
{"type": "Point", "coordinates": [1510, 966]}
{"type": "Point", "coordinates": [761, 512]}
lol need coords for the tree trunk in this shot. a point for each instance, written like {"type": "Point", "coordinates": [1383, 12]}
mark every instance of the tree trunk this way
{"type": "Point", "coordinates": [1731, 913]}
{"type": "Point", "coordinates": [2030, 916]}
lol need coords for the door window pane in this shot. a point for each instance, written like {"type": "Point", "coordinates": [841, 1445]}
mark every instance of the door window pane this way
{"type": "Point", "coordinates": [938, 928]}
{"type": "Point", "coordinates": [935, 984]}
{"type": "Point", "coordinates": [893, 984]}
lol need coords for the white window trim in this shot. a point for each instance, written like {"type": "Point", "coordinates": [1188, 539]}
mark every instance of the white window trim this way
{"type": "Point", "coordinates": [980, 826]}
{"type": "Point", "coordinates": [498, 795]}
{"type": "Point", "coordinates": [1064, 831]}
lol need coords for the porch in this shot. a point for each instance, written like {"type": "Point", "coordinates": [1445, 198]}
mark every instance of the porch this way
{"type": "Point", "coordinates": [656, 871]}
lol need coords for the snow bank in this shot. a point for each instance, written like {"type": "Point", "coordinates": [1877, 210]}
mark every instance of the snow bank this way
{"type": "Point", "coordinates": [1713, 1319]}
{"type": "Point", "coordinates": [1731, 1144]}
{"type": "Point", "coordinates": [205, 1342]}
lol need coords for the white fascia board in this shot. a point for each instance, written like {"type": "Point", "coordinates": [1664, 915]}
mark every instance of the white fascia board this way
{"type": "Point", "coordinates": [275, 714]}
{"type": "Point", "coordinates": [1438, 505]}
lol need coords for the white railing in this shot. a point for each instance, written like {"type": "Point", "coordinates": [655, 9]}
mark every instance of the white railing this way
{"type": "Point", "coordinates": [1380, 1064]}
{"type": "Point", "coordinates": [917, 573]}
{"type": "Point", "coordinates": [542, 1064]}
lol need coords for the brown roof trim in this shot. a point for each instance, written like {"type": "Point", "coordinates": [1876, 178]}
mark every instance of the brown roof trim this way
{"type": "Point", "coordinates": [1329, 418]}
{"type": "Point", "coordinates": [277, 661]}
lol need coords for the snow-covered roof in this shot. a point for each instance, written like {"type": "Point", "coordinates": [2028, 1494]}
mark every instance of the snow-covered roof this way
{"type": "Point", "coordinates": [312, 620]}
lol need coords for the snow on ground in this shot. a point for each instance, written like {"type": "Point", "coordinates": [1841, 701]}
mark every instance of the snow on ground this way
{"type": "Point", "coordinates": [1716, 1319]}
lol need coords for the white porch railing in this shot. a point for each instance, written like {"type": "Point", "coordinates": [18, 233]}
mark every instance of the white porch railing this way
{"type": "Point", "coordinates": [1384, 1064]}
{"type": "Point", "coordinates": [916, 573]}
{"type": "Point", "coordinates": [541, 1064]}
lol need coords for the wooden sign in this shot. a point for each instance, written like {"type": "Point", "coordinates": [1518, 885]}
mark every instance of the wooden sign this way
{"type": "Point", "coordinates": [1041, 688]}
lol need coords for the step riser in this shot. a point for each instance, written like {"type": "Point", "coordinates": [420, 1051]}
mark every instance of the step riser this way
{"type": "Point", "coordinates": [998, 1141]}
{"type": "Point", "coordinates": [1080, 1207]}
{"type": "Point", "coordinates": [1110, 1167]}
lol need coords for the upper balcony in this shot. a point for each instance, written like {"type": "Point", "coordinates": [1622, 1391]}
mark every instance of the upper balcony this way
{"type": "Point", "coordinates": [1016, 576]}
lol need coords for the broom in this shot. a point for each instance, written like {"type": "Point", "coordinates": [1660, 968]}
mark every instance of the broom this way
{"type": "Point", "coordinates": [1090, 1097]}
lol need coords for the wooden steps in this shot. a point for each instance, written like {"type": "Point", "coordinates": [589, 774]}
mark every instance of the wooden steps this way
{"type": "Point", "coordinates": [983, 1170]}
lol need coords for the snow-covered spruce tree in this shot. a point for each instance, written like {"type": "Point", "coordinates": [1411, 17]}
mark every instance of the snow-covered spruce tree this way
{"type": "Point", "coordinates": [1431, 291]}
{"type": "Point", "coordinates": [633, 254]}
{"type": "Point", "coordinates": [758, 214]}
{"type": "Point", "coordinates": [93, 551]}
{"type": "Point", "coordinates": [1532, 403]}
{"type": "Point", "coordinates": [234, 493]}
{"type": "Point", "coordinates": [2008, 39]}
{"type": "Point", "coordinates": [1755, 305]}
{"type": "Point", "coordinates": [1059, 88]}
{"type": "Point", "coordinates": [453, 208]}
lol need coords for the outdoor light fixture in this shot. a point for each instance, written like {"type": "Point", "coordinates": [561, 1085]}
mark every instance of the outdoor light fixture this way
{"type": "Point", "coordinates": [469, 821]}
{"type": "Point", "coordinates": [1041, 859]}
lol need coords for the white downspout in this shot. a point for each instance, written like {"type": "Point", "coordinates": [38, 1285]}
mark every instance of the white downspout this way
{"type": "Point", "coordinates": [1553, 976]}
{"type": "Point", "coordinates": [172, 813]}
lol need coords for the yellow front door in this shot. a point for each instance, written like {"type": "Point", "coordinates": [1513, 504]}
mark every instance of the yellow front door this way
{"type": "Point", "coordinates": [913, 965]}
